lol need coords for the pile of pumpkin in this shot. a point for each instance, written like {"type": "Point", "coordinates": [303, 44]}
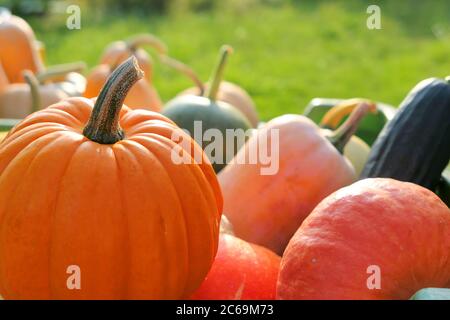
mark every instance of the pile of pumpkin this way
{"type": "Point", "coordinates": [90, 181]}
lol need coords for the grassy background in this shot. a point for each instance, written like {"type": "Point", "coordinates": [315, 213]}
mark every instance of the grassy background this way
{"type": "Point", "coordinates": [286, 52]}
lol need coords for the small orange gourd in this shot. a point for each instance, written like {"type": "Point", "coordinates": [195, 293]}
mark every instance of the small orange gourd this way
{"type": "Point", "coordinates": [141, 96]}
{"type": "Point", "coordinates": [92, 186]}
{"type": "Point", "coordinates": [118, 51]}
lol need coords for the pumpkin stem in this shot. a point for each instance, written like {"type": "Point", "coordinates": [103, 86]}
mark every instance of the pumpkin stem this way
{"type": "Point", "coordinates": [217, 75]}
{"type": "Point", "coordinates": [103, 126]}
{"type": "Point", "coordinates": [32, 81]}
{"type": "Point", "coordinates": [139, 40]}
{"type": "Point", "coordinates": [342, 135]}
{"type": "Point", "coordinates": [185, 69]}
{"type": "Point", "coordinates": [334, 116]}
{"type": "Point", "coordinates": [58, 72]}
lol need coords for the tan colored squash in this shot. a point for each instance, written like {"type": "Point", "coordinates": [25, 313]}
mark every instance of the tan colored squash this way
{"type": "Point", "coordinates": [18, 100]}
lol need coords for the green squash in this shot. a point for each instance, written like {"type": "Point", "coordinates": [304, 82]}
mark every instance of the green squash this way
{"type": "Point", "coordinates": [414, 146]}
{"type": "Point", "coordinates": [197, 114]}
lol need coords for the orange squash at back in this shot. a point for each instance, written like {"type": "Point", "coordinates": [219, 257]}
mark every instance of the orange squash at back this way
{"type": "Point", "coordinates": [18, 49]}
{"type": "Point", "coordinates": [141, 96]}
{"type": "Point", "coordinates": [118, 51]}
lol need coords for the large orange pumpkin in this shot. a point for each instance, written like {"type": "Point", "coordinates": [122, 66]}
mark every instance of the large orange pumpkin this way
{"type": "Point", "coordinates": [376, 239]}
{"type": "Point", "coordinates": [266, 208]}
{"type": "Point", "coordinates": [94, 187]}
{"type": "Point", "coordinates": [18, 49]}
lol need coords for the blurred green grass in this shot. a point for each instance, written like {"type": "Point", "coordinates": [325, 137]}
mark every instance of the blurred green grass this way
{"type": "Point", "coordinates": [286, 53]}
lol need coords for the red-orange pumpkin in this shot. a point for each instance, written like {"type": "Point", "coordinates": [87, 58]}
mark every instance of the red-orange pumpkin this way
{"type": "Point", "coordinates": [268, 207]}
{"type": "Point", "coordinates": [94, 185]}
{"type": "Point", "coordinates": [395, 231]}
{"type": "Point", "coordinates": [241, 271]}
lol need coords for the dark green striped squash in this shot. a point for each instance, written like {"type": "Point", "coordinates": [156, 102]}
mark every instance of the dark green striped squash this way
{"type": "Point", "coordinates": [414, 145]}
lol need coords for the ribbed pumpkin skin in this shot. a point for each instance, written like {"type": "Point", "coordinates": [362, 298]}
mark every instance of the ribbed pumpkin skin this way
{"type": "Point", "coordinates": [18, 51]}
{"type": "Point", "coordinates": [241, 271]}
{"type": "Point", "coordinates": [137, 225]}
{"type": "Point", "coordinates": [415, 145]}
{"type": "Point", "coordinates": [402, 228]}
{"type": "Point", "coordinates": [268, 209]}
{"type": "Point", "coordinates": [141, 96]}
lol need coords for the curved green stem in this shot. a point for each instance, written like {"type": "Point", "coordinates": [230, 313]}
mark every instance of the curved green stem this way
{"type": "Point", "coordinates": [217, 75]}
{"type": "Point", "coordinates": [139, 40]}
{"type": "Point", "coordinates": [103, 126]}
{"type": "Point", "coordinates": [32, 81]}
{"type": "Point", "coordinates": [58, 71]}
{"type": "Point", "coordinates": [185, 69]}
{"type": "Point", "coordinates": [342, 135]}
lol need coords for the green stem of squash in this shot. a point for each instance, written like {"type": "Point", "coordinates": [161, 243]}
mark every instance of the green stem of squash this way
{"type": "Point", "coordinates": [217, 75]}
{"type": "Point", "coordinates": [103, 126]}
{"type": "Point", "coordinates": [33, 83]}
{"type": "Point", "coordinates": [58, 72]}
{"type": "Point", "coordinates": [184, 69]}
{"type": "Point", "coordinates": [343, 134]}
{"type": "Point", "coordinates": [150, 40]}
